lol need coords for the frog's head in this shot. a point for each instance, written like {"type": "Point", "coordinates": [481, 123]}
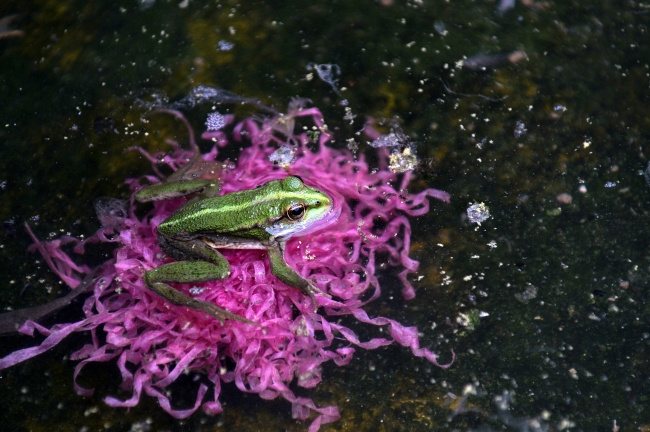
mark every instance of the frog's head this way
{"type": "Point", "coordinates": [303, 208]}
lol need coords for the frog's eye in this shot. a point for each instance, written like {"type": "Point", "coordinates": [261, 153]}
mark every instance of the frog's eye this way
{"type": "Point", "coordinates": [295, 212]}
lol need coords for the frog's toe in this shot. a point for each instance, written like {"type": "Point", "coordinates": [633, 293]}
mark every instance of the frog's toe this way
{"type": "Point", "coordinates": [219, 313]}
{"type": "Point", "coordinates": [313, 290]}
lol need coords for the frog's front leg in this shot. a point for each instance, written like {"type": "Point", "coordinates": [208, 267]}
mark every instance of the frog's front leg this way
{"type": "Point", "coordinates": [213, 267]}
{"type": "Point", "coordinates": [286, 274]}
{"type": "Point", "coordinates": [174, 189]}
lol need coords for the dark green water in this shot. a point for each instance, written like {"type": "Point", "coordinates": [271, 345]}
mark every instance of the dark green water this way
{"type": "Point", "coordinates": [575, 354]}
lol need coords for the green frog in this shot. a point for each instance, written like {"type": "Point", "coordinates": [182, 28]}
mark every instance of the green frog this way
{"type": "Point", "coordinates": [261, 218]}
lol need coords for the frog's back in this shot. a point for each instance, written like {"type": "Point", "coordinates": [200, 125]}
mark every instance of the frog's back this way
{"type": "Point", "coordinates": [225, 214]}
{"type": "Point", "coordinates": [249, 213]}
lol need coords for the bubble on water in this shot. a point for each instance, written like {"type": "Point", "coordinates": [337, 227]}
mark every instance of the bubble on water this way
{"type": "Point", "coordinates": [215, 121]}
{"type": "Point", "coordinates": [646, 173]}
{"type": "Point", "coordinates": [610, 184]}
{"type": "Point", "coordinates": [478, 213]}
{"type": "Point", "coordinates": [284, 156]}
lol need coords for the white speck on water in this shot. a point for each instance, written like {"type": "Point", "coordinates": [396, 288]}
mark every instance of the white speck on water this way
{"type": "Point", "coordinates": [196, 290]}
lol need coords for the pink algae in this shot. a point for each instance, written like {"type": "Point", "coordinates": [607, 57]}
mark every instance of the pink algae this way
{"type": "Point", "coordinates": [154, 342]}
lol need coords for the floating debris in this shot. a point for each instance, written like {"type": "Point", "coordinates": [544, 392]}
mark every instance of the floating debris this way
{"type": "Point", "coordinates": [471, 319]}
{"type": "Point", "coordinates": [352, 145]}
{"type": "Point", "coordinates": [396, 137]}
{"type": "Point", "coordinates": [646, 173]}
{"type": "Point", "coordinates": [6, 31]}
{"type": "Point", "coordinates": [478, 213]}
{"type": "Point", "coordinates": [328, 73]}
{"type": "Point", "coordinates": [146, 4]}
{"type": "Point", "coordinates": [224, 45]}
{"type": "Point", "coordinates": [111, 212]}
{"type": "Point", "coordinates": [505, 5]}
{"type": "Point", "coordinates": [484, 62]}
{"type": "Point", "coordinates": [203, 93]}
{"type": "Point", "coordinates": [393, 139]}
{"type": "Point", "coordinates": [564, 198]}
{"type": "Point", "coordinates": [403, 161]}
{"type": "Point", "coordinates": [440, 28]}
{"type": "Point", "coordinates": [529, 293]}
{"type": "Point", "coordinates": [520, 129]}
{"type": "Point", "coordinates": [348, 113]}
{"type": "Point", "coordinates": [284, 156]}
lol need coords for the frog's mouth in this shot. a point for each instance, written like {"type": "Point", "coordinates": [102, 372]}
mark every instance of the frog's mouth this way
{"type": "Point", "coordinates": [283, 231]}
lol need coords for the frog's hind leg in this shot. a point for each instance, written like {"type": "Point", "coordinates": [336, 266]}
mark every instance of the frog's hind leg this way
{"type": "Point", "coordinates": [212, 266]}
{"type": "Point", "coordinates": [201, 271]}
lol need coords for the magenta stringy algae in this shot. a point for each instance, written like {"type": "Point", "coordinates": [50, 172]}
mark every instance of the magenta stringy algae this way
{"type": "Point", "coordinates": [141, 332]}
